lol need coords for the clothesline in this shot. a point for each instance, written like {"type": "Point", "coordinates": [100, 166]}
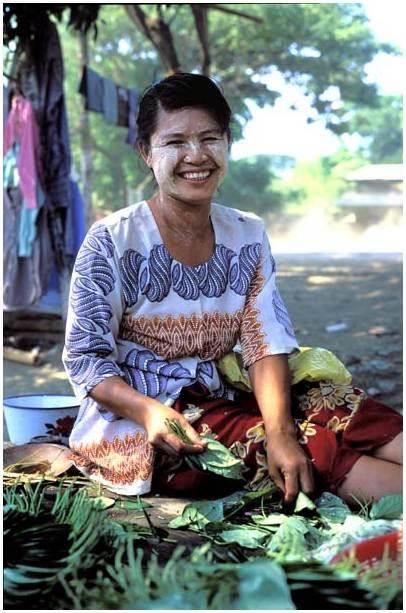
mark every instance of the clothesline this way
{"type": "Point", "coordinates": [118, 104]}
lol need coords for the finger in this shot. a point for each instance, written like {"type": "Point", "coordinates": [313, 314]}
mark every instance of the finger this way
{"type": "Point", "coordinates": [178, 446]}
{"type": "Point", "coordinates": [277, 478]}
{"type": "Point", "coordinates": [306, 479]}
{"type": "Point", "coordinates": [162, 445]}
{"type": "Point", "coordinates": [193, 435]}
{"type": "Point", "coordinates": [291, 486]}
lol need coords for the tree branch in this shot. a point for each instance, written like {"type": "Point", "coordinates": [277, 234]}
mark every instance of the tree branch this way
{"type": "Point", "coordinates": [223, 9]}
{"type": "Point", "coordinates": [201, 18]}
{"type": "Point", "coordinates": [159, 33]}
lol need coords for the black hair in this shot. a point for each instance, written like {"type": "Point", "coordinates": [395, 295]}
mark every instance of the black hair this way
{"type": "Point", "coordinates": [176, 92]}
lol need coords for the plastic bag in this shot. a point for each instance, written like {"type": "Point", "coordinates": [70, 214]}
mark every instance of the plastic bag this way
{"type": "Point", "coordinates": [308, 364]}
{"type": "Point", "coordinates": [317, 364]}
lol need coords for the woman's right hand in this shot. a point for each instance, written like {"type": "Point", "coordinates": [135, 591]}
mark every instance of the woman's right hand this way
{"type": "Point", "coordinates": [117, 396]}
{"type": "Point", "coordinates": [154, 420]}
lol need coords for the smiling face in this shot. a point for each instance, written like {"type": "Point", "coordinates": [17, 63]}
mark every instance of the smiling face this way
{"type": "Point", "coordinates": [188, 154]}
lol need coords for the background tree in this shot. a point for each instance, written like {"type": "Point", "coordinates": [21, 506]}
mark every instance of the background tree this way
{"type": "Point", "coordinates": [381, 129]}
{"type": "Point", "coordinates": [322, 48]}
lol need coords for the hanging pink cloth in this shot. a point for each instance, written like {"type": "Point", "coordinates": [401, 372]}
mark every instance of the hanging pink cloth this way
{"type": "Point", "coordinates": [21, 125]}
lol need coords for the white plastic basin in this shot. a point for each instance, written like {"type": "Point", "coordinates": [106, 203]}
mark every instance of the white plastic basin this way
{"type": "Point", "coordinates": [40, 415]}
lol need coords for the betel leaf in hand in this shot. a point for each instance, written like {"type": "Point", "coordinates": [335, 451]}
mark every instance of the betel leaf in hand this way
{"type": "Point", "coordinates": [216, 458]}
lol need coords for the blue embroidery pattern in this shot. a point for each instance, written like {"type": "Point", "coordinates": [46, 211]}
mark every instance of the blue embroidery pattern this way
{"type": "Point", "coordinates": [90, 307]}
{"type": "Point", "coordinates": [90, 341]}
{"type": "Point", "coordinates": [100, 241]}
{"type": "Point", "coordinates": [129, 271]}
{"type": "Point", "coordinates": [88, 264]}
{"type": "Point", "coordinates": [242, 272]}
{"type": "Point", "coordinates": [158, 284]}
{"type": "Point", "coordinates": [281, 313]}
{"type": "Point", "coordinates": [149, 374]}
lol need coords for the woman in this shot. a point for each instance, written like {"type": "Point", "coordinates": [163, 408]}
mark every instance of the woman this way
{"type": "Point", "coordinates": [165, 288]}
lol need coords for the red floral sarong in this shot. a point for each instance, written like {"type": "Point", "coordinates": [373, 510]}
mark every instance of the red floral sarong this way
{"type": "Point", "coordinates": [336, 424]}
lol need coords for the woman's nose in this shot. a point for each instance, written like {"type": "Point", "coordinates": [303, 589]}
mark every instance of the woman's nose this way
{"type": "Point", "coordinates": [195, 153]}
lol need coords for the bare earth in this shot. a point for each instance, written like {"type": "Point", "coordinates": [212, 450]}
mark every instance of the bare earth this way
{"type": "Point", "coordinates": [363, 292]}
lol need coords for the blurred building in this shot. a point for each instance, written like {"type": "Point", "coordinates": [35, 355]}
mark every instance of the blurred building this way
{"type": "Point", "coordinates": [375, 192]}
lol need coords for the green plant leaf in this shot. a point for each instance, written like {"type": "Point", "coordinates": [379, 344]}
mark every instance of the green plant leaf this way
{"type": "Point", "coordinates": [198, 514]}
{"type": "Point", "coordinates": [388, 507]}
{"type": "Point", "coordinates": [274, 519]}
{"type": "Point", "coordinates": [104, 502]}
{"type": "Point", "coordinates": [332, 508]}
{"type": "Point", "coordinates": [263, 586]}
{"type": "Point", "coordinates": [303, 502]}
{"type": "Point", "coordinates": [245, 536]}
{"type": "Point", "coordinates": [132, 505]}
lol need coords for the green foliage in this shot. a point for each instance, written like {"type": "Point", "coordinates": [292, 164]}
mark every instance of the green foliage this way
{"type": "Point", "coordinates": [248, 185]}
{"type": "Point", "coordinates": [69, 555]}
{"type": "Point", "coordinates": [332, 508]}
{"type": "Point", "coordinates": [388, 507]}
{"type": "Point", "coordinates": [381, 129]}
{"type": "Point", "coordinates": [321, 47]}
{"type": "Point", "coordinates": [317, 183]}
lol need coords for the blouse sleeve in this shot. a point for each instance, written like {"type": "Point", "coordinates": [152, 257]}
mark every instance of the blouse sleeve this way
{"type": "Point", "coordinates": [266, 328]}
{"type": "Point", "coordinates": [94, 314]}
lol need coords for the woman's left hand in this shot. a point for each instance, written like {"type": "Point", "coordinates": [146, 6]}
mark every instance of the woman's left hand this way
{"type": "Point", "coordinates": [288, 465]}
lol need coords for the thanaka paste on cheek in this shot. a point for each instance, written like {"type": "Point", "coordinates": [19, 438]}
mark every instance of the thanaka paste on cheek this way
{"type": "Point", "coordinates": [165, 159]}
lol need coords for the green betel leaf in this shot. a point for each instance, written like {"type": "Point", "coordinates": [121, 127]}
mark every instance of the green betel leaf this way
{"type": "Point", "coordinates": [246, 537]}
{"type": "Point", "coordinates": [388, 507]}
{"type": "Point", "coordinates": [274, 519]}
{"type": "Point", "coordinates": [332, 508]}
{"type": "Point", "coordinates": [263, 586]}
{"type": "Point", "coordinates": [217, 459]}
{"type": "Point", "coordinates": [198, 514]}
{"type": "Point", "coordinates": [303, 502]}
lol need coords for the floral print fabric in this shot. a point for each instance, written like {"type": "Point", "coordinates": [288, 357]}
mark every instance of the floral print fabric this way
{"type": "Point", "coordinates": [335, 424]}
{"type": "Point", "coordinates": [137, 313]}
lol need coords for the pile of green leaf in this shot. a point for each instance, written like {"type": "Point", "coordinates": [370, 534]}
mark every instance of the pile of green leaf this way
{"type": "Point", "coordinates": [66, 553]}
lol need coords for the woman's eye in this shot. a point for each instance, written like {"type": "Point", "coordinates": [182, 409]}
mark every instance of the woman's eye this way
{"type": "Point", "coordinates": [210, 139]}
{"type": "Point", "coordinates": [175, 142]}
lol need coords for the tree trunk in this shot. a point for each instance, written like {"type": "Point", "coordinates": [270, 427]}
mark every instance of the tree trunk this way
{"type": "Point", "coordinates": [86, 163]}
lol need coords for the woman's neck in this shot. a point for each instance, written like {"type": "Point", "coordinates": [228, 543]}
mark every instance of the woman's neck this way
{"type": "Point", "coordinates": [181, 219]}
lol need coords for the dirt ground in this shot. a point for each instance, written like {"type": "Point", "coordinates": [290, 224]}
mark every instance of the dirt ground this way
{"type": "Point", "coordinates": [363, 292]}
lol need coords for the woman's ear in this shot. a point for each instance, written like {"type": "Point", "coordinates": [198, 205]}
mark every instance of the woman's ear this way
{"type": "Point", "coordinates": [145, 153]}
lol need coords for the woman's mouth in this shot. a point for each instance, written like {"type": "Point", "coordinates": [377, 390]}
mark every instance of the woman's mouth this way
{"type": "Point", "coordinates": [197, 176]}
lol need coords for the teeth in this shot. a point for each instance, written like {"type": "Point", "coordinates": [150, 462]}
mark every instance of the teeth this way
{"type": "Point", "coordinates": [196, 175]}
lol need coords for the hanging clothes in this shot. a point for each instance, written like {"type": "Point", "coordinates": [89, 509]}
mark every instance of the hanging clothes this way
{"type": "Point", "coordinates": [110, 102]}
{"type": "Point", "coordinates": [132, 117]}
{"type": "Point", "coordinates": [24, 278]}
{"type": "Point", "coordinates": [20, 168]}
{"type": "Point", "coordinates": [21, 126]}
{"type": "Point", "coordinates": [38, 71]}
{"type": "Point", "coordinates": [92, 88]}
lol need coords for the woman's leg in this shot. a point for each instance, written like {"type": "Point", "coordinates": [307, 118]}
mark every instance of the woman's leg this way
{"type": "Point", "coordinates": [369, 479]}
{"type": "Point", "coordinates": [392, 451]}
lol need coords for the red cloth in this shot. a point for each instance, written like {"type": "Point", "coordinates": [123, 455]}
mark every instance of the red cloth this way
{"type": "Point", "coordinates": [336, 424]}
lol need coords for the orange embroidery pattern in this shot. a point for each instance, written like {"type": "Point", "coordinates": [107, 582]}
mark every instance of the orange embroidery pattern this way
{"type": "Point", "coordinates": [210, 337]}
{"type": "Point", "coordinates": [252, 338]}
{"type": "Point", "coordinates": [122, 461]}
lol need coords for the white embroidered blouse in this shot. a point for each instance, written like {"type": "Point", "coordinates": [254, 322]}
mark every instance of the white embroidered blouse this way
{"type": "Point", "coordinates": [136, 312]}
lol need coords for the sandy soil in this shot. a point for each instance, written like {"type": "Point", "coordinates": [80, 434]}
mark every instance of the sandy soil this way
{"type": "Point", "coordinates": [363, 292]}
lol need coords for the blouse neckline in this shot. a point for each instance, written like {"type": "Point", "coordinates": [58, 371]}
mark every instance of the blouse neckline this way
{"type": "Point", "coordinates": [161, 241]}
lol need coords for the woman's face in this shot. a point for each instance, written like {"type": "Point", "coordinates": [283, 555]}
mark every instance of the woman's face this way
{"type": "Point", "coordinates": [188, 154]}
